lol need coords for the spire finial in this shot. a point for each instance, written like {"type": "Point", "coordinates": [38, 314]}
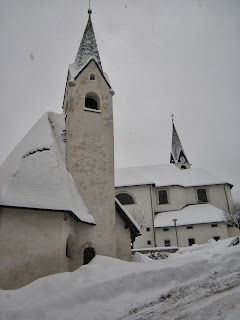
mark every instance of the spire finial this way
{"type": "Point", "coordinates": [172, 117]}
{"type": "Point", "coordinates": [89, 10]}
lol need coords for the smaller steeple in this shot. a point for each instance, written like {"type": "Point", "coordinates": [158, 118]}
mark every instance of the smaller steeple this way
{"type": "Point", "coordinates": [178, 156]}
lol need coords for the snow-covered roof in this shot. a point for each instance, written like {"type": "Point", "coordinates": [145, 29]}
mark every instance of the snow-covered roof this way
{"type": "Point", "coordinates": [35, 176]}
{"type": "Point", "coordinates": [87, 52]}
{"type": "Point", "coordinates": [88, 49]}
{"type": "Point", "coordinates": [192, 214]}
{"type": "Point", "coordinates": [126, 216]}
{"type": "Point", "coordinates": [177, 148]}
{"type": "Point", "coordinates": [164, 175]}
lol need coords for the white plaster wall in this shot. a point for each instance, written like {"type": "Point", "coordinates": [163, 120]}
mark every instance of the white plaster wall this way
{"type": "Point", "coordinates": [179, 197]}
{"type": "Point", "coordinates": [142, 198]}
{"type": "Point", "coordinates": [123, 245]}
{"type": "Point", "coordinates": [201, 233]}
{"type": "Point", "coordinates": [233, 231]}
{"type": "Point", "coordinates": [90, 157]}
{"type": "Point", "coordinates": [32, 245]}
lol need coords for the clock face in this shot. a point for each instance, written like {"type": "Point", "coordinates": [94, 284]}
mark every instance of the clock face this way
{"type": "Point", "coordinates": [182, 159]}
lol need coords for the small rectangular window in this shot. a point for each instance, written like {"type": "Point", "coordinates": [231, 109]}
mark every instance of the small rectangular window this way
{"type": "Point", "coordinates": [149, 242]}
{"type": "Point", "coordinates": [162, 197]}
{"type": "Point", "coordinates": [214, 225]}
{"type": "Point", "coordinates": [191, 242]}
{"type": "Point", "coordinates": [189, 227]}
{"type": "Point", "coordinates": [167, 243]}
{"type": "Point", "coordinates": [216, 238]}
{"type": "Point", "coordinates": [147, 229]}
{"type": "Point", "coordinates": [165, 229]}
{"type": "Point", "coordinates": [202, 195]}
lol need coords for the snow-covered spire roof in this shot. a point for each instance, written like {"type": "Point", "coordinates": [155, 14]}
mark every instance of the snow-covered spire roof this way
{"type": "Point", "coordinates": [177, 150]}
{"type": "Point", "coordinates": [87, 51]}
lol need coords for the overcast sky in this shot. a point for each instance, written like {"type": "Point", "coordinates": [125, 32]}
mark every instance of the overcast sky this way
{"type": "Point", "coordinates": [161, 56]}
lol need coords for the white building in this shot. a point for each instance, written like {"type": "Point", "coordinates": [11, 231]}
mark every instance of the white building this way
{"type": "Point", "coordinates": [57, 195]}
{"type": "Point", "coordinates": [159, 196]}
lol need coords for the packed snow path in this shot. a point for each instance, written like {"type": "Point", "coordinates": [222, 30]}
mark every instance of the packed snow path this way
{"type": "Point", "coordinates": [200, 282]}
{"type": "Point", "coordinates": [211, 298]}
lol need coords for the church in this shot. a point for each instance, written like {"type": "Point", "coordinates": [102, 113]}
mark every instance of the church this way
{"type": "Point", "coordinates": [62, 202]}
{"type": "Point", "coordinates": [57, 195]}
{"type": "Point", "coordinates": [175, 205]}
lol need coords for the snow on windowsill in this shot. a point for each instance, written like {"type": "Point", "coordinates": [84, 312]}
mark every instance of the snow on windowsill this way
{"type": "Point", "coordinates": [92, 110]}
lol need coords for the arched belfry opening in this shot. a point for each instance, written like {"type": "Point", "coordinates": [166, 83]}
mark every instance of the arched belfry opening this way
{"type": "Point", "coordinates": [88, 254]}
{"type": "Point", "coordinates": [92, 101]}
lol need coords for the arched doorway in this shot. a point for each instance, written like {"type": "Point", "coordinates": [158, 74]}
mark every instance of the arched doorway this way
{"type": "Point", "coordinates": [88, 255]}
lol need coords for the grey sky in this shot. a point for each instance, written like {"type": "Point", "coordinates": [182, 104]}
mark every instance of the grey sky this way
{"type": "Point", "coordinates": [162, 57]}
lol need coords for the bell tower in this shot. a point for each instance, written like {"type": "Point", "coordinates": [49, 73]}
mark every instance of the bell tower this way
{"type": "Point", "coordinates": [89, 138]}
{"type": "Point", "coordinates": [178, 156]}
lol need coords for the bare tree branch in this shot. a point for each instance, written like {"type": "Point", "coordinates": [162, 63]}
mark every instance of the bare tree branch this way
{"type": "Point", "coordinates": [233, 217]}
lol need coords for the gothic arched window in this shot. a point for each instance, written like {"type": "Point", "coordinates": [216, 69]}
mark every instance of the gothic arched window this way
{"type": "Point", "coordinates": [125, 198]}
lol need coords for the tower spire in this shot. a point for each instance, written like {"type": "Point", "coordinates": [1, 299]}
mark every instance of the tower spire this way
{"type": "Point", "coordinates": [178, 156]}
{"type": "Point", "coordinates": [87, 50]}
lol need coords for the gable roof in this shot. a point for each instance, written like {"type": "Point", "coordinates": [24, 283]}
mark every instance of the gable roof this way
{"type": "Point", "coordinates": [189, 215]}
{"type": "Point", "coordinates": [128, 219]}
{"type": "Point", "coordinates": [162, 175]}
{"type": "Point", "coordinates": [35, 176]}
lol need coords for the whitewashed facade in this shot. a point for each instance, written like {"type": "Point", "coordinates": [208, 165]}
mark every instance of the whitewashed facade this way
{"type": "Point", "coordinates": [163, 193]}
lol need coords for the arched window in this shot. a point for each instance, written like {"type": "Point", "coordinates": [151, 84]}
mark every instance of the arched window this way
{"type": "Point", "coordinates": [202, 195]}
{"type": "Point", "coordinates": [162, 197]}
{"type": "Point", "coordinates": [92, 101]}
{"type": "Point", "coordinates": [125, 198]}
{"type": "Point", "coordinates": [69, 246]}
{"type": "Point", "coordinates": [88, 255]}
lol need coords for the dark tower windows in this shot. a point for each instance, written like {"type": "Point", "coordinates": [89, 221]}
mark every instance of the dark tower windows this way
{"type": "Point", "coordinates": [92, 101]}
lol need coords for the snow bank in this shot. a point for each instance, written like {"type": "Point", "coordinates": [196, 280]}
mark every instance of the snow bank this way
{"type": "Point", "coordinates": [139, 257]}
{"type": "Point", "coordinates": [108, 288]}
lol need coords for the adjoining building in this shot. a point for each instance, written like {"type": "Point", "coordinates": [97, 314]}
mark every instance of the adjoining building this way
{"type": "Point", "coordinates": [176, 205]}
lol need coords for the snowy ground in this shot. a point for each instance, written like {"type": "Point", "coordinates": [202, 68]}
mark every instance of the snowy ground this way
{"type": "Point", "coordinates": [201, 282]}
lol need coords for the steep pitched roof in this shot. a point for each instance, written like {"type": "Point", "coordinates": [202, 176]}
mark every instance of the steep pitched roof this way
{"type": "Point", "coordinates": [192, 214]}
{"type": "Point", "coordinates": [88, 47]}
{"type": "Point", "coordinates": [87, 52]}
{"type": "Point", "coordinates": [164, 175]}
{"type": "Point", "coordinates": [128, 219]}
{"type": "Point", "coordinates": [177, 149]}
{"type": "Point", "coordinates": [35, 176]}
